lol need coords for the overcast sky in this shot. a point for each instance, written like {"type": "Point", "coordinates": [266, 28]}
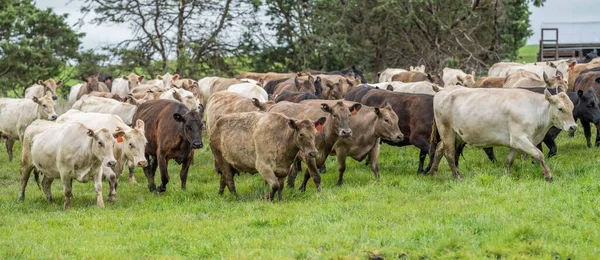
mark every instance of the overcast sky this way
{"type": "Point", "coordinates": [553, 11]}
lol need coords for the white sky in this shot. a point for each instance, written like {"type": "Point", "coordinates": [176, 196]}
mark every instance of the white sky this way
{"type": "Point", "coordinates": [553, 11]}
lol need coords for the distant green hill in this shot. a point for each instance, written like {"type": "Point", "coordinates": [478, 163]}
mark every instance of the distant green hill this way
{"type": "Point", "coordinates": [528, 53]}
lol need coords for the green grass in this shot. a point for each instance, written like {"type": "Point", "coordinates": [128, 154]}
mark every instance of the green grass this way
{"type": "Point", "coordinates": [490, 214]}
{"type": "Point", "coordinates": [528, 53]}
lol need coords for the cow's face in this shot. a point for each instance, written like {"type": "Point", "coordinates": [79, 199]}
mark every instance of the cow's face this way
{"type": "Point", "coordinates": [468, 80]}
{"type": "Point", "coordinates": [192, 126]}
{"type": "Point", "coordinates": [305, 133]}
{"type": "Point", "coordinates": [92, 83]}
{"type": "Point", "coordinates": [133, 80]}
{"type": "Point", "coordinates": [386, 125]}
{"type": "Point", "coordinates": [333, 91]}
{"type": "Point", "coordinates": [561, 111]}
{"type": "Point", "coordinates": [50, 86]}
{"type": "Point", "coordinates": [134, 144]}
{"type": "Point", "coordinates": [46, 107]}
{"type": "Point", "coordinates": [306, 86]}
{"type": "Point", "coordinates": [102, 145]}
{"type": "Point", "coordinates": [562, 66]}
{"type": "Point", "coordinates": [339, 117]}
{"type": "Point", "coordinates": [168, 80]}
{"type": "Point", "coordinates": [587, 108]}
{"type": "Point", "coordinates": [418, 68]}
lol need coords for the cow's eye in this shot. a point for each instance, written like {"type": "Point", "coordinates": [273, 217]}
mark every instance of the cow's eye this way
{"type": "Point", "coordinates": [387, 120]}
{"type": "Point", "coordinates": [561, 110]}
{"type": "Point", "coordinates": [301, 135]}
{"type": "Point", "coordinates": [591, 105]}
{"type": "Point", "coordinates": [44, 106]}
{"type": "Point", "coordinates": [100, 144]}
{"type": "Point", "coordinates": [131, 146]}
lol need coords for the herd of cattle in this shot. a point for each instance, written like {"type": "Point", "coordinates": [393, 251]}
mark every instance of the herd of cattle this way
{"type": "Point", "coordinates": [269, 123]}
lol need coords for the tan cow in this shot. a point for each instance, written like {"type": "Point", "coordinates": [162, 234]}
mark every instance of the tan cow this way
{"type": "Point", "coordinates": [225, 102]}
{"type": "Point", "coordinates": [266, 143]}
{"type": "Point", "coordinates": [251, 75]}
{"type": "Point", "coordinates": [17, 114]}
{"type": "Point", "coordinates": [515, 118]}
{"type": "Point", "coordinates": [106, 95]}
{"type": "Point", "coordinates": [503, 69]}
{"type": "Point", "coordinates": [123, 86]}
{"type": "Point", "coordinates": [413, 76]}
{"type": "Point", "coordinates": [107, 106]}
{"type": "Point", "coordinates": [38, 90]}
{"type": "Point", "coordinates": [490, 82]}
{"type": "Point", "coordinates": [92, 84]}
{"type": "Point", "coordinates": [347, 83]}
{"type": "Point", "coordinates": [164, 81]}
{"type": "Point", "coordinates": [68, 152]}
{"type": "Point", "coordinates": [458, 77]}
{"type": "Point", "coordinates": [296, 84]}
{"type": "Point", "coordinates": [527, 79]}
{"type": "Point", "coordinates": [333, 90]}
{"type": "Point", "coordinates": [369, 125]}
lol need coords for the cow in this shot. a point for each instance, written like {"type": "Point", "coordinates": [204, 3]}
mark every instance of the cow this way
{"type": "Point", "coordinates": [164, 81]}
{"type": "Point", "coordinates": [503, 69]}
{"type": "Point", "coordinates": [223, 103]}
{"type": "Point", "coordinates": [251, 75]}
{"type": "Point", "coordinates": [458, 77]}
{"type": "Point", "coordinates": [589, 80]}
{"type": "Point", "coordinates": [124, 85]}
{"type": "Point", "coordinates": [519, 120]}
{"type": "Point", "coordinates": [67, 152]}
{"type": "Point", "coordinates": [91, 84]}
{"type": "Point", "coordinates": [369, 125]}
{"type": "Point", "coordinates": [173, 132]}
{"type": "Point", "coordinates": [149, 94]}
{"type": "Point", "coordinates": [413, 76]}
{"type": "Point", "coordinates": [387, 74]}
{"type": "Point", "coordinates": [300, 84]}
{"type": "Point", "coordinates": [585, 109]}
{"type": "Point", "coordinates": [527, 79]}
{"type": "Point", "coordinates": [415, 112]}
{"type": "Point", "coordinates": [347, 83]}
{"type": "Point", "coordinates": [295, 97]}
{"type": "Point", "coordinates": [574, 73]}
{"type": "Point", "coordinates": [130, 147]}
{"type": "Point", "coordinates": [357, 93]}
{"type": "Point", "coordinates": [337, 126]}
{"type": "Point", "coordinates": [490, 82]}
{"type": "Point", "coordinates": [106, 95]}
{"type": "Point", "coordinates": [107, 106]}
{"type": "Point", "coordinates": [185, 97]}
{"type": "Point", "coordinates": [266, 143]}
{"type": "Point", "coordinates": [421, 87]}
{"type": "Point", "coordinates": [17, 114]}
{"type": "Point", "coordinates": [350, 73]}
{"type": "Point", "coordinates": [38, 90]}
{"type": "Point", "coordinates": [333, 90]}
{"type": "Point", "coordinates": [250, 90]}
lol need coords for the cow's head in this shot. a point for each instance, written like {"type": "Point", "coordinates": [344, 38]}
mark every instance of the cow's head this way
{"type": "Point", "coordinates": [561, 111]}
{"type": "Point", "coordinates": [332, 90]}
{"type": "Point", "coordinates": [133, 80]}
{"type": "Point", "coordinates": [386, 125]}
{"type": "Point", "coordinates": [556, 81]}
{"type": "Point", "coordinates": [435, 78]}
{"type": "Point", "coordinates": [339, 117]}
{"type": "Point", "coordinates": [263, 106]}
{"type": "Point", "coordinates": [168, 79]}
{"type": "Point", "coordinates": [93, 83]}
{"type": "Point", "coordinates": [358, 75]}
{"type": "Point", "coordinates": [192, 126]}
{"type": "Point", "coordinates": [468, 80]}
{"type": "Point", "coordinates": [102, 145]}
{"type": "Point", "coordinates": [50, 86]}
{"type": "Point", "coordinates": [587, 107]}
{"type": "Point", "coordinates": [306, 86]}
{"type": "Point", "coordinates": [45, 107]}
{"type": "Point", "coordinates": [305, 133]}
{"type": "Point", "coordinates": [563, 66]}
{"type": "Point", "coordinates": [134, 144]}
{"type": "Point", "coordinates": [188, 100]}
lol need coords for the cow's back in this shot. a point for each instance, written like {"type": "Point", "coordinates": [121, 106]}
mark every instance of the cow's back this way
{"type": "Point", "coordinates": [225, 102]}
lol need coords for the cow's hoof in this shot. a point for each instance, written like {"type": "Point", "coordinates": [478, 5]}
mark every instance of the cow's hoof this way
{"type": "Point", "coordinates": [340, 183]}
{"type": "Point", "coordinates": [112, 198]}
{"type": "Point", "coordinates": [20, 199]}
{"type": "Point", "coordinates": [132, 180]}
{"type": "Point", "coordinates": [152, 187]}
{"type": "Point", "coordinates": [302, 189]}
{"type": "Point", "coordinates": [549, 179]}
{"type": "Point", "coordinates": [161, 189]}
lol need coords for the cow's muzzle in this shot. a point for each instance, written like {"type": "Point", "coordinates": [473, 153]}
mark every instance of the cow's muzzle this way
{"type": "Point", "coordinates": [311, 154]}
{"type": "Point", "coordinates": [52, 117]}
{"type": "Point", "coordinates": [572, 128]}
{"type": "Point", "coordinates": [142, 163]}
{"type": "Point", "coordinates": [197, 145]}
{"type": "Point", "coordinates": [346, 133]}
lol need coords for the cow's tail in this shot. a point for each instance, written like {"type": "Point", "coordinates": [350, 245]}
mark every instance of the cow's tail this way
{"type": "Point", "coordinates": [434, 139]}
{"type": "Point", "coordinates": [36, 177]}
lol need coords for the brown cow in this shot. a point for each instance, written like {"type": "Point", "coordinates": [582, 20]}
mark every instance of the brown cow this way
{"type": "Point", "coordinates": [92, 84]}
{"type": "Point", "coordinates": [173, 132]}
{"type": "Point", "coordinates": [251, 75]}
{"type": "Point", "coordinates": [574, 73]}
{"type": "Point", "coordinates": [415, 76]}
{"type": "Point", "coordinates": [490, 82]}
{"type": "Point", "coordinates": [333, 90]}
{"type": "Point", "coordinates": [347, 82]}
{"type": "Point", "coordinates": [38, 90]}
{"type": "Point", "coordinates": [369, 125]}
{"type": "Point", "coordinates": [260, 142]}
{"type": "Point", "coordinates": [336, 127]}
{"type": "Point", "coordinates": [225, 102]}
{"type": "Point", "coordinates": [300, 84]}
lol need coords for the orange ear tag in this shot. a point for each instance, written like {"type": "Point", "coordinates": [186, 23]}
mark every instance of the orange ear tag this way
{"type": "Point", "coordinates": [354, 112]}
{"type": "Point", "coordinates": [119, 139]}
{"type": "Point", "coordinates": [319, 127]}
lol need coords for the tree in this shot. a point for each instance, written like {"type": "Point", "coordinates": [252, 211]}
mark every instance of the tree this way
{"type": "Point", "coordinates": [35, 44]}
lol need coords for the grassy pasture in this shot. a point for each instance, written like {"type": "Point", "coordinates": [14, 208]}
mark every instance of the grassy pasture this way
{"type": "Point", "coordinates": [490, 214]}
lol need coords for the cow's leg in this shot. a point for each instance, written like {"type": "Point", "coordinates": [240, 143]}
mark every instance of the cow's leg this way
{"type": "Point", "coordinates": [149, 171]}
{"type": "Point", "coordinates": [26, 168]}
{"type": "Point", "coordinates": [46, 187]}
{"type": "Point", "coordinates": [489, 151]}
{"type": "Point", "coordinates": [164, 174]}
{"type": "Point", "coordinates": [597, 135]}
{"type": "Point", "coordinates": [131, 167]}
{"type": "Point", "coordinates": [9, 148]}
{"type": "Point", "coordinates": [450, 154]}
{"type": "Point", "coordinates": [458, 153]}
{"type": "Point", "coordinates": [524, 145]}
{"type": "Point", "coordinates": [280, 191]}
{"type": "Point", "coordinates": [587, 132]}
{"type": "Point", "coordinates": [341, 159]}
{"type": "Point", "coordinates": [184, 170]}
{"type": "Point", "coordinates": [112, 188]}
{"type": "Point", "coordinates": [374, 160]}
{"type": "Point", "coordinates": [271, 179]}
{"type": "Point", "coordinates": [294, 169]}
{"type": "Point", "coordinates": [312, 171]}
{"type": "Point", "coordinates": [98, 187]}
{"type": "Point", "coordinates": [510, 159]}
{"type": "Point", "coordinates": [227, 176]}
{"type": "Point", "coordinates": [551, 146]}
{"type": "Point", "coordinates": [67, 190]}
{"type": "Point", "coordinates": [439, 152]}
{"type": "Point", "coordinates": [422, 156]}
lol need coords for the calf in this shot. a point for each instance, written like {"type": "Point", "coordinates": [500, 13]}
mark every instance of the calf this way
{"type": "Point", "coordinates": [294, 97]}
{"type": "Point", "coordinates": [369, 125]}
{"type": "Point", "coordinates": [415, 112]}
{"type": "Point", "coordinates": [17, 114]}
{"type": "Point", "coordinates": [223, 103]}
{"type": "Point", "coordinates": [107, 106]}
{"type": "Point", "coordinates": [490, 82]}
{"type": "Point", "coordinates": [519, 119]}
{"type": "Point", "coordinates": [67, 152]}
{"type": "Point", "coordinates": [458, 77]}
{"type": "Point", "coordinates": [260, 142]}
{"type": "Point", "coordinates": [38, 90]}
{"type": "Point", "coordinates": [173, 132]}
{"type": "Point", "coordinates": [92, 84]}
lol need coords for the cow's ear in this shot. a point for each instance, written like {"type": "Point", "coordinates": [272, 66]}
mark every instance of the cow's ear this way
{"type": "Point", "coordinates": [255, 102]}
{"type": "Point", "coordinates": [296, 82]}
{"type": "Point", "coordinates": [319, 123]}
{"type": "Point", "coordinates": [326, 108]}
{"type": "Point", "coordinates": [387, 105]}
{"type": "Point", "coordinates": [175, 77]}
{"type": "Point", "coordinates": [390, 87]}
{"type": "Point", "coordinates": [200, 109]}
{"type": "Point", "coordinates": [318, 79]}
{"type": "Point", "coordinates": [378, 112]}
{"type": "Point", "coordinates": [552, 65]}
{"type": "Point", "coordinates": [548, 96]}
{"type": "Point", "coordinates": [459, 78]}
{"type": "Point", "coordinates": [545, 76]}
{"type": "Point", "coordinates": [125, 78]}
{"type": "Point", "coordinates": [139, 124]}
{"type": "Point", "coordinates": [429, 77]}
{"type": "Point", "coordinates": [140, 78]}
{"type": "Point", "coordinates": [40, 82]}
{"type": "Point", "coordinates": [597, 80]}
{"type": "Point", "coordinates": [159, 77]}
{"type": "Point", "coordinates": [355, 108]}
{"type": "Point", "coordinates": [561, 88]}
{"type": "Point", "coordinates": [59, 83]}
{"type": "Point", "coordinates": [90, 133]}
{"type": "Point", "coordinates": [292, 124]}
{"type": "Point", "coordinates": [176, 96]}
{"type": "Point", "coordinates": [119, 133]}
{"type": "Point", "coordinates": [473, 74]}
{"type": "Point", "coordinates": [580, 93]}
{"type": "Point", "coordinates": [178, 117]}
{"type": "Point", "coordinates": [559, 74]}
{"type": "Point", "coordinates": [411, 68]}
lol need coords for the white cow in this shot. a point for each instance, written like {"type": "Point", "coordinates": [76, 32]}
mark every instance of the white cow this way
{"type": "Point", "coordinates": [68, 152]}
{"type": "Point", "coordinates": [205, 85]}
{"type": "Point", "coordinates": [183, 96]}
{"type": "Point", "coordinates": [164, 81]}
{"type": "Point", "coordinates": [38, 90]}
{"type": "Point", "coordinates": [107, 106]}
{"type": "Point", "coordinates": [122, 86]}
{"type": "Point", "coordinates": [421, 87]}
{"type": "Point", "coordinates": [130, 147]}
{"type": "Point", "coordinates": [527, 79]}
{"type": "Point", "coordinates": [515, 118]}
{"type": "Point", "coordinates": [250, 90]}
{"type": "Point", "coordinates": [17, 114]}
{"type": "Point", "coordinates": [387, 74]}
{"type": "Point", "coordinates": [503, 69]}
{"type": "Point", "coordinates": [458, 77]}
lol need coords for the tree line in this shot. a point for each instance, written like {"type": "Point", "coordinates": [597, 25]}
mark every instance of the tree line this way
{"type": "Point", "coordinates": [196, 38]}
